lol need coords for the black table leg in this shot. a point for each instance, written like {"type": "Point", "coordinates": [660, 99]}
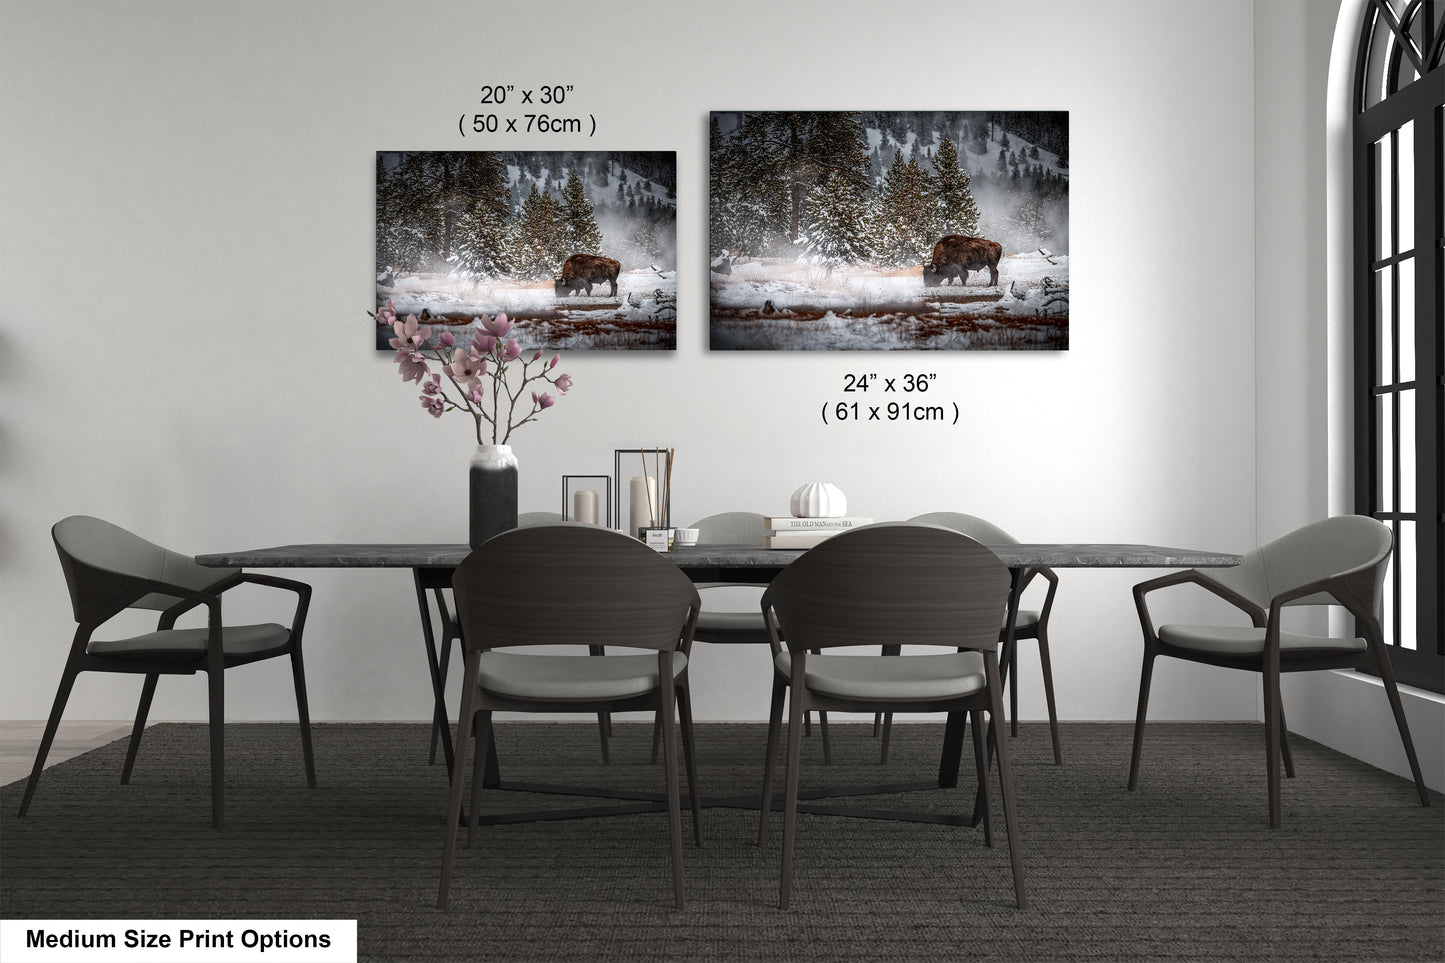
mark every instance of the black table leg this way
{"type": "Point", "coordinates": [422, 578]}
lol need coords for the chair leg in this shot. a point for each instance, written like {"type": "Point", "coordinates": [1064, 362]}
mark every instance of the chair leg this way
{"type": "Point", "coordinates": [887, 738]}
{"type": "Point", "coordinates": [790, 793]}
{"type": "Point", "coordinates": [1392, 692]}
{"type": "Point", "coordinates": [147, 692]}
{"type": "Point", "coordinates": [877, 724]}
{"type": "Point", "coordinates": [604, 719]}
{"type": "Point", "coordinates": [775, 724]}
{"type": "Point", "coordinates": [1271, 739]}
{"type": "Point", "coordinates": [1145, 676]}
{"type": "Point", "coordinates": [689, 758]}
{"type": "Point", "coordinates": [459, 775]}
{"type": "Point", "coordinates": [823, 731]}
{"type": "Point", "coordinates": [1284, 743]}
{"type": "Point", "coordinates": [303, 714]}
{"type": "Point", "coordinates": [1048, 669]}
{"type": "Point", "coordinates": [482, 722]}
{"type": "Point", "coordinates": [668, 705]}
{"type": "Point", "coordinates": [1013, 689]}
{"type": "Point", "coordinates": [57, 709]}
{"type": "Point", "coordinates": [656, 735]}
{"type": "Point", "coordinates": [1006, 789]}
{"type": "Point", "coordinates": [980, 756]}
{"type": "Point", "coordinates": [216, 683]}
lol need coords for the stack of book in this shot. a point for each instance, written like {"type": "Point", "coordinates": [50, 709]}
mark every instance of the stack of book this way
{"type": "Point", "coordinates": [790, 532]}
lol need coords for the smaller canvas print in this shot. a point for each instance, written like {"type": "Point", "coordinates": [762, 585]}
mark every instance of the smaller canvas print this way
{"type": "Point", "coordinates": [889, 230]}
{"type": "Point", "coordinates": [578, 248]}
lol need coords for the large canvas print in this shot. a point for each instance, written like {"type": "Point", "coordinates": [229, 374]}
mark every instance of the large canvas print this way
{"type": "Point", "coordinates": [578, 248]}
{"type": "Point", "coordinates": [887, 230]}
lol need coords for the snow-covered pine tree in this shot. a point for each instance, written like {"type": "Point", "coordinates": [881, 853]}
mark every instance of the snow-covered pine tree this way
{"type": "Point", "coordinates": [957, 211]}
{"type": "Point", "coordinates": [409, 223]}
{"type": "Point", "coordinates": [905, 219]}
{"type": "Point", "coordinates": [580, 232]}
{"type": "Point", "coordinates": [538, 241]}
{"type": "Point", "coordinates": [835, 223]}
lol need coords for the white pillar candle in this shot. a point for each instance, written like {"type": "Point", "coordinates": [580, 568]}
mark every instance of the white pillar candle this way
{"type": "Point", "coordinates": [584, 506]}
{"type": "Point", "coordinates": [644, 503]}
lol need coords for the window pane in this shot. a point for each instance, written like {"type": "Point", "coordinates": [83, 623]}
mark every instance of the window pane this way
{"type": "Point", "coordinates": [1409, 588]}
{"type": "Point", "coordinates": [1384, 171]}
{"type": "Point", "coordinates": [1405, 158]}
{"type": "Point", "coordinates": [1407, 450]}
{"type": "Point", "coordinates": [1384, 327]}
{"type": "Point", "coordinates": [1385, 451]}
{"type": "Point", "coordinates": [1407, 319]}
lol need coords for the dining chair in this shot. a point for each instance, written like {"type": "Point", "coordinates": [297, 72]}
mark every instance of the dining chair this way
{"type": "Point", "coordinates": [109, 570]}
{"type": "Point", "coordinates": [734, 626]}
{"type": "Point", "coordinates": [451, 637]}
{"type": "Point", "coordinates": [576, 586]}
{"type": "Point", "coordinates": [882, 585]}
{"type": "Point", "coordinates": [1337, 561]}
{"type": "Point", "coordinates": [1029, 624]}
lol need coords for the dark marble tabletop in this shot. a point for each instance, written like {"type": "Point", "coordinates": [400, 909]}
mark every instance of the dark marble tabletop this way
{"type": "Point", "coordinates": [441, 555]}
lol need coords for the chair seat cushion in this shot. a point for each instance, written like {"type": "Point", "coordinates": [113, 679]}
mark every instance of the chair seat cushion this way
{"type": "Point", "coordinates": [890, 678]}
{"type": "Point", "coordinates": [1247, 640]}
{"type": "Point", "coordinates": [1027, 619]}
{"type": "Point", "coordinates": [732, 622]}
{"type": "Point", "coordinates": [565, 678]}
{"type": "Point", "coordinates": [188, 645]}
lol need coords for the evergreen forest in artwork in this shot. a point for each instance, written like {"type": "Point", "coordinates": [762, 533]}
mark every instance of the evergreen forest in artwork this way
{"type": "Point", "coordinates": [578, 247]}
{"type": "Point", "coordinates": [883, 230]}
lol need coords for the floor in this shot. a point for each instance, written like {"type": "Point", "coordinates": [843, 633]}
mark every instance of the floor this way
{"type": "Point", "coordinates": [20, 740]}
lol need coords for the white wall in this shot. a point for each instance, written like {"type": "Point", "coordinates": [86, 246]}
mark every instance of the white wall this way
{"type": "Point", "coordinates": [186, 262]}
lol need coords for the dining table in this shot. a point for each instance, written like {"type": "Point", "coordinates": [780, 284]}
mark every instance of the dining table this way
{"type": "Point", "coordinates": [432, 566]}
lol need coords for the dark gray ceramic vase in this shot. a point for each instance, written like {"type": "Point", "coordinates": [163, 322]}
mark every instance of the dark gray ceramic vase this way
{"type": "Point", "coordinates": [492, 493]}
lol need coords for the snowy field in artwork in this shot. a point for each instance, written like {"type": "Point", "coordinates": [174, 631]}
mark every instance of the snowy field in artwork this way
{"type": "Point", "coordinates": [775, 304]}
{"type": "Point", "coordinates": [643, 315]}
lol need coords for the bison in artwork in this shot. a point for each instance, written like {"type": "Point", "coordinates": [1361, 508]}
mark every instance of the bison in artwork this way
{"type": "Point", "coordinates": [584, 270]}
{"type": "Point", "coordinates": [957, 254]}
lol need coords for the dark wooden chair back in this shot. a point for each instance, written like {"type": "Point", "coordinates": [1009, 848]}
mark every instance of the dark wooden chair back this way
{"type": "Point", "coordinates": [889, 585]}
{"type": "Point", "coordinates": [573, 585]}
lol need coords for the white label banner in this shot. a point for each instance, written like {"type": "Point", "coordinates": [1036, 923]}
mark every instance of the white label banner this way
{"type": "Point", "coordinates": [191, 941]}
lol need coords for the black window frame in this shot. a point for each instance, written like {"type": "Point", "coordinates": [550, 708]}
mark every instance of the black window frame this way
{"type": "Point", "coordinates": [1398, 39]}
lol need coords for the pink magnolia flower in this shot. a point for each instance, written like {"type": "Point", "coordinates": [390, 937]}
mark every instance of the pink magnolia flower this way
{"type": "Point", "coordinates": [537, 355]}
{"type": "Point", "coordinates": [512, 352]}
{"type": "Point", "coordinates": [477, 393]}
{"type": "Point", "coordinates": [387, 315]}
{"type": "Point", "coordinates": [446, 339]}
{"type": "Point", "coordinates": [483, 343]}
{"type": "Point", "coordinates": [409, 333]}
{"type": "Point", "coordinates": [412, 364]}
{"type": "Point", "coordinates": [555, 358]}
{"type": "Point", "coordinates": [543, 400]}
{"type": "Point", "coordinates": [498, 326]}
{"type": "Point", "coordinates": [433, 404]}
{"type": "Point", "coordinates": [432, 386]}
{"type": "Point", "coordinates": [463, 367]}
{"type": "Point", "coordinates": [564, 383]}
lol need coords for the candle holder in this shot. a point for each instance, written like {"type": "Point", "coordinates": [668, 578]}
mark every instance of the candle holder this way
{"type": "Point", "coordinates": [574, 485]}
{"type": "Point", "coordinates": [654, 463]}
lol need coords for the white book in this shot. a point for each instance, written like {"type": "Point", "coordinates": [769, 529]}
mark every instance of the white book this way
{"type": "Point", "coordinates": [787, 523]}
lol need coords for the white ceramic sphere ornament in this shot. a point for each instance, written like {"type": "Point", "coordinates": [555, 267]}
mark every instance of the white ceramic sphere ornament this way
{"type": "Point", "coordinates": [819, 500]}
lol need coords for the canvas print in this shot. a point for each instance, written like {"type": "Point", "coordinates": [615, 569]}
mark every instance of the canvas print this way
{"type": "Point", "coordinates": [888, 230]}
{"type": "Point", "coordinates": [578, 248]}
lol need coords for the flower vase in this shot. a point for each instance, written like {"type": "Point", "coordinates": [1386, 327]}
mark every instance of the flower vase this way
{"type": "Point", "coordinates": [493, 493]}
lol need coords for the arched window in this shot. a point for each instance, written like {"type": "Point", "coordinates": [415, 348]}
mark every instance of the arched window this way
{"type": "Point", "coordinates": [1399, 186]}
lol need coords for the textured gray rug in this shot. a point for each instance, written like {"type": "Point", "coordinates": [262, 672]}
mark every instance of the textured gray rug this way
{"type": "Point", "coordinates": [1185, 869]}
